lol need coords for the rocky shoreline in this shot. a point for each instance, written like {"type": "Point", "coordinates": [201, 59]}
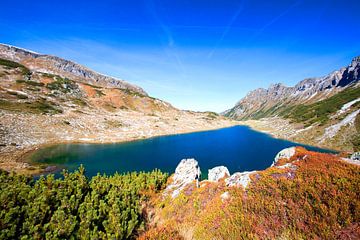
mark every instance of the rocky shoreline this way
{"type": "Point", "coordinates": [188, 171]}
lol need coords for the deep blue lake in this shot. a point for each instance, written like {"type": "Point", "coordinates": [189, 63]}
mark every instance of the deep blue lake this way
{"type": "Point", "coordinates": [238, 148]}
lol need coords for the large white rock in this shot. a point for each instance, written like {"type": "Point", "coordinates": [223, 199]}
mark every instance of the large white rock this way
{"type": "Point", "coordinates": [286, 153]}
{"type": "Point", "coordinates": [186, 172]}
{"type": "Point", "coordinates": [239, 179]}
{"type": "Point", "coordinates": [217, 173]}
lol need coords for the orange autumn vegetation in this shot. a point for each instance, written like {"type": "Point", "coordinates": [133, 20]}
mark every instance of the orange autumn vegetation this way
{"type": "Point", "coordinates": [318, 200]}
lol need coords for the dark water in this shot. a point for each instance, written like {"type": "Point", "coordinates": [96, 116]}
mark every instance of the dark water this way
{"type": "Point", "coordinates": [238, 148]}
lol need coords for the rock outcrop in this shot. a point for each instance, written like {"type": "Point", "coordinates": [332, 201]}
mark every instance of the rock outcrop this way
{"type": "Point", "coordinates": [217, 173]}
{"type": "Point", "coordinates": [239, 179]}
{"type": "Point", "coordinates": [186, 173]}
{"type": "Point", "coordinates": [286, 153]}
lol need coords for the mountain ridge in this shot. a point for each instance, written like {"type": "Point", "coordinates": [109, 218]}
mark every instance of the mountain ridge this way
{"type": "Point", "coordinates": [65, 68]}
{"type": "Point", "coordinates": [306, 91]}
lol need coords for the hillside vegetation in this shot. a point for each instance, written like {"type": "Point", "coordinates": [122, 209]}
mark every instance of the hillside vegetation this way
{"type": "Point", "coordinates": [74, 207]}
{"type": "Point", "coordinates": [321, 111]}
{"type": "Point", "coordinates": [316, 199]}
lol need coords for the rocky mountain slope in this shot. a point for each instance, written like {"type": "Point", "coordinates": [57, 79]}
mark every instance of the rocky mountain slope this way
{"type": "Point", "coordinates": [315, 107]}
{"type": "Point", "coordinates": [45, 99]}
{"type": "Point", "coordinates": [57, 66]}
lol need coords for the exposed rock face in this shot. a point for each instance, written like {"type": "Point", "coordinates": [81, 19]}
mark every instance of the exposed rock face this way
{"type": "Point", "coordinates": [239, 179]}
{"type": "Point", "coordinates": [355, 156]}
{"type": "Point", "coordinates": [55, 65]}
{"type": "Point", "coordinates": [262, 102]}
{"type": "Point", "coordinates": [286, 153]}
{"type": "Point", "coordinates": [186, 172]}
{"type": "Point", "coordinates": [217, 173]}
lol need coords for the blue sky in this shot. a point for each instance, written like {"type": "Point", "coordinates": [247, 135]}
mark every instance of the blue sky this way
{"type": "Point", "coordinates": [195, 54]}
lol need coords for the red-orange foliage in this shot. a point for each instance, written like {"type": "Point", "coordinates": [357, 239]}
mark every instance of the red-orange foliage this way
{"type": "Point", "coordinates": [321, 200]}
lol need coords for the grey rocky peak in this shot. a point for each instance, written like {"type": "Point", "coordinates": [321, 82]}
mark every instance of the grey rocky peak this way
{"type": "Point", "coordinates": [217, 173]}
{"type": "Point", "coordinates": [239, 179]}
{"type": "Point", "coordinates": [265, 102]}
{"type": "Point", "coordinates": [186, 173]}
{"type": "Point", "coordinates": [65, 68]}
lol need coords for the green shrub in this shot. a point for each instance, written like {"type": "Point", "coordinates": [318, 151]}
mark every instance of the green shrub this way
{"type": "Point", "coordinates": [73, 207]}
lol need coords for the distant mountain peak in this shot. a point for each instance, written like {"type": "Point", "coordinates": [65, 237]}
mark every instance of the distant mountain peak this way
{"type": "Point", "coordinates": [307, 90]}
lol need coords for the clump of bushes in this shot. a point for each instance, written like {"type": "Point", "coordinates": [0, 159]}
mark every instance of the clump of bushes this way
{"type": "Point", "coordinates": [63, 85]}
{"type": "Point", "coordinates": [73, 207]}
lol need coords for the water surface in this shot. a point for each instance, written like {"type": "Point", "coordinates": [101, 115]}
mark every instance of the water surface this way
{"type": "Point", "coordinates": [238, 148]}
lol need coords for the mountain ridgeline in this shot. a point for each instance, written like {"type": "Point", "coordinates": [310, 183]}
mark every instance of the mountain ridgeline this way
{"type": "Point", "coordinates": [322, 111]}
{"type": "Point", "coordinates": [58, 66]}
{"type": "Point", "coordinates": [278, 99]}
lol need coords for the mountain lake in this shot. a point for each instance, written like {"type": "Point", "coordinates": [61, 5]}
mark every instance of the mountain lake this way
{"type": "Point", "coordinates": [238, 148]}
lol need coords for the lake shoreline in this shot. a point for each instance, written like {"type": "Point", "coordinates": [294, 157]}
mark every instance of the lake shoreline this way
{"type": "Point", "coordinates": [231, 146]}
{"type": "Point", "coordinates": [19, 159]}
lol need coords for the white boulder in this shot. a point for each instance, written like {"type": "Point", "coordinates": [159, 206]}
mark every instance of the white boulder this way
{"type": "Point", "coordinates": [286, 153]}
{"type": "Point", "coordinates": [217, 173]}
{"type": "Point", "coordinates": [239, 179]}
{"type": "Point", "coordinates": [186, 172]}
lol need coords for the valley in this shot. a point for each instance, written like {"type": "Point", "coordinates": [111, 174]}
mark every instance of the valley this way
{"type": "Point", "coordinates": [321, 111]}
{"type": "Point", "coordinates": [46, 100]}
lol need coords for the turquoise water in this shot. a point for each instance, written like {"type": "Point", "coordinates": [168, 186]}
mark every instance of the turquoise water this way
{"type": "Point", "coordinates": [238, 148]}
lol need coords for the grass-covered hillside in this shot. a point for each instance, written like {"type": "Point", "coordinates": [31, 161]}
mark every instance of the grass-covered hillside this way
{"type": "Point", "coordinates": [320, 112]}
{"type": "Point", "coordinates": [75, 207]}
{"type": "Point", "coordinates": [317, 198]}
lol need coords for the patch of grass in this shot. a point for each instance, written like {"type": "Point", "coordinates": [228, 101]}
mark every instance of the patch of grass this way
{"type": "Point", "coordinates": [31, 83]}
{"type": "Point", "coordinates": [99, 93]}
{"type": "Point", "coordinates": [114, 123]}
{"type": "Point", "coordinates": [321, 111]}
{"type": "Point", "coordinates": [37, 107]}
{"type": "Point", "coordinates": [12, 64]}
{"type": "Point", "coordinates": [132, 93]}
{"type": "Point", "coordinates": [93, 86]}
{"type": "Point", "coordinates": [64, 85]}
{"type": "Point", "coordinates": [211, 116]}
{"type": "Point", "coordinates": [80, 102]}
{"type": "Point", "coordinates": [49, 75]}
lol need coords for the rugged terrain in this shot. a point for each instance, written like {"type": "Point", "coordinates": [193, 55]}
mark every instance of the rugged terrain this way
{"type": "Point", "coordinates": [303, 195]}
{"type": "Point", "coordinates": [46, 99]}
{"type": "Point", "coordinates": [321, 111]}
